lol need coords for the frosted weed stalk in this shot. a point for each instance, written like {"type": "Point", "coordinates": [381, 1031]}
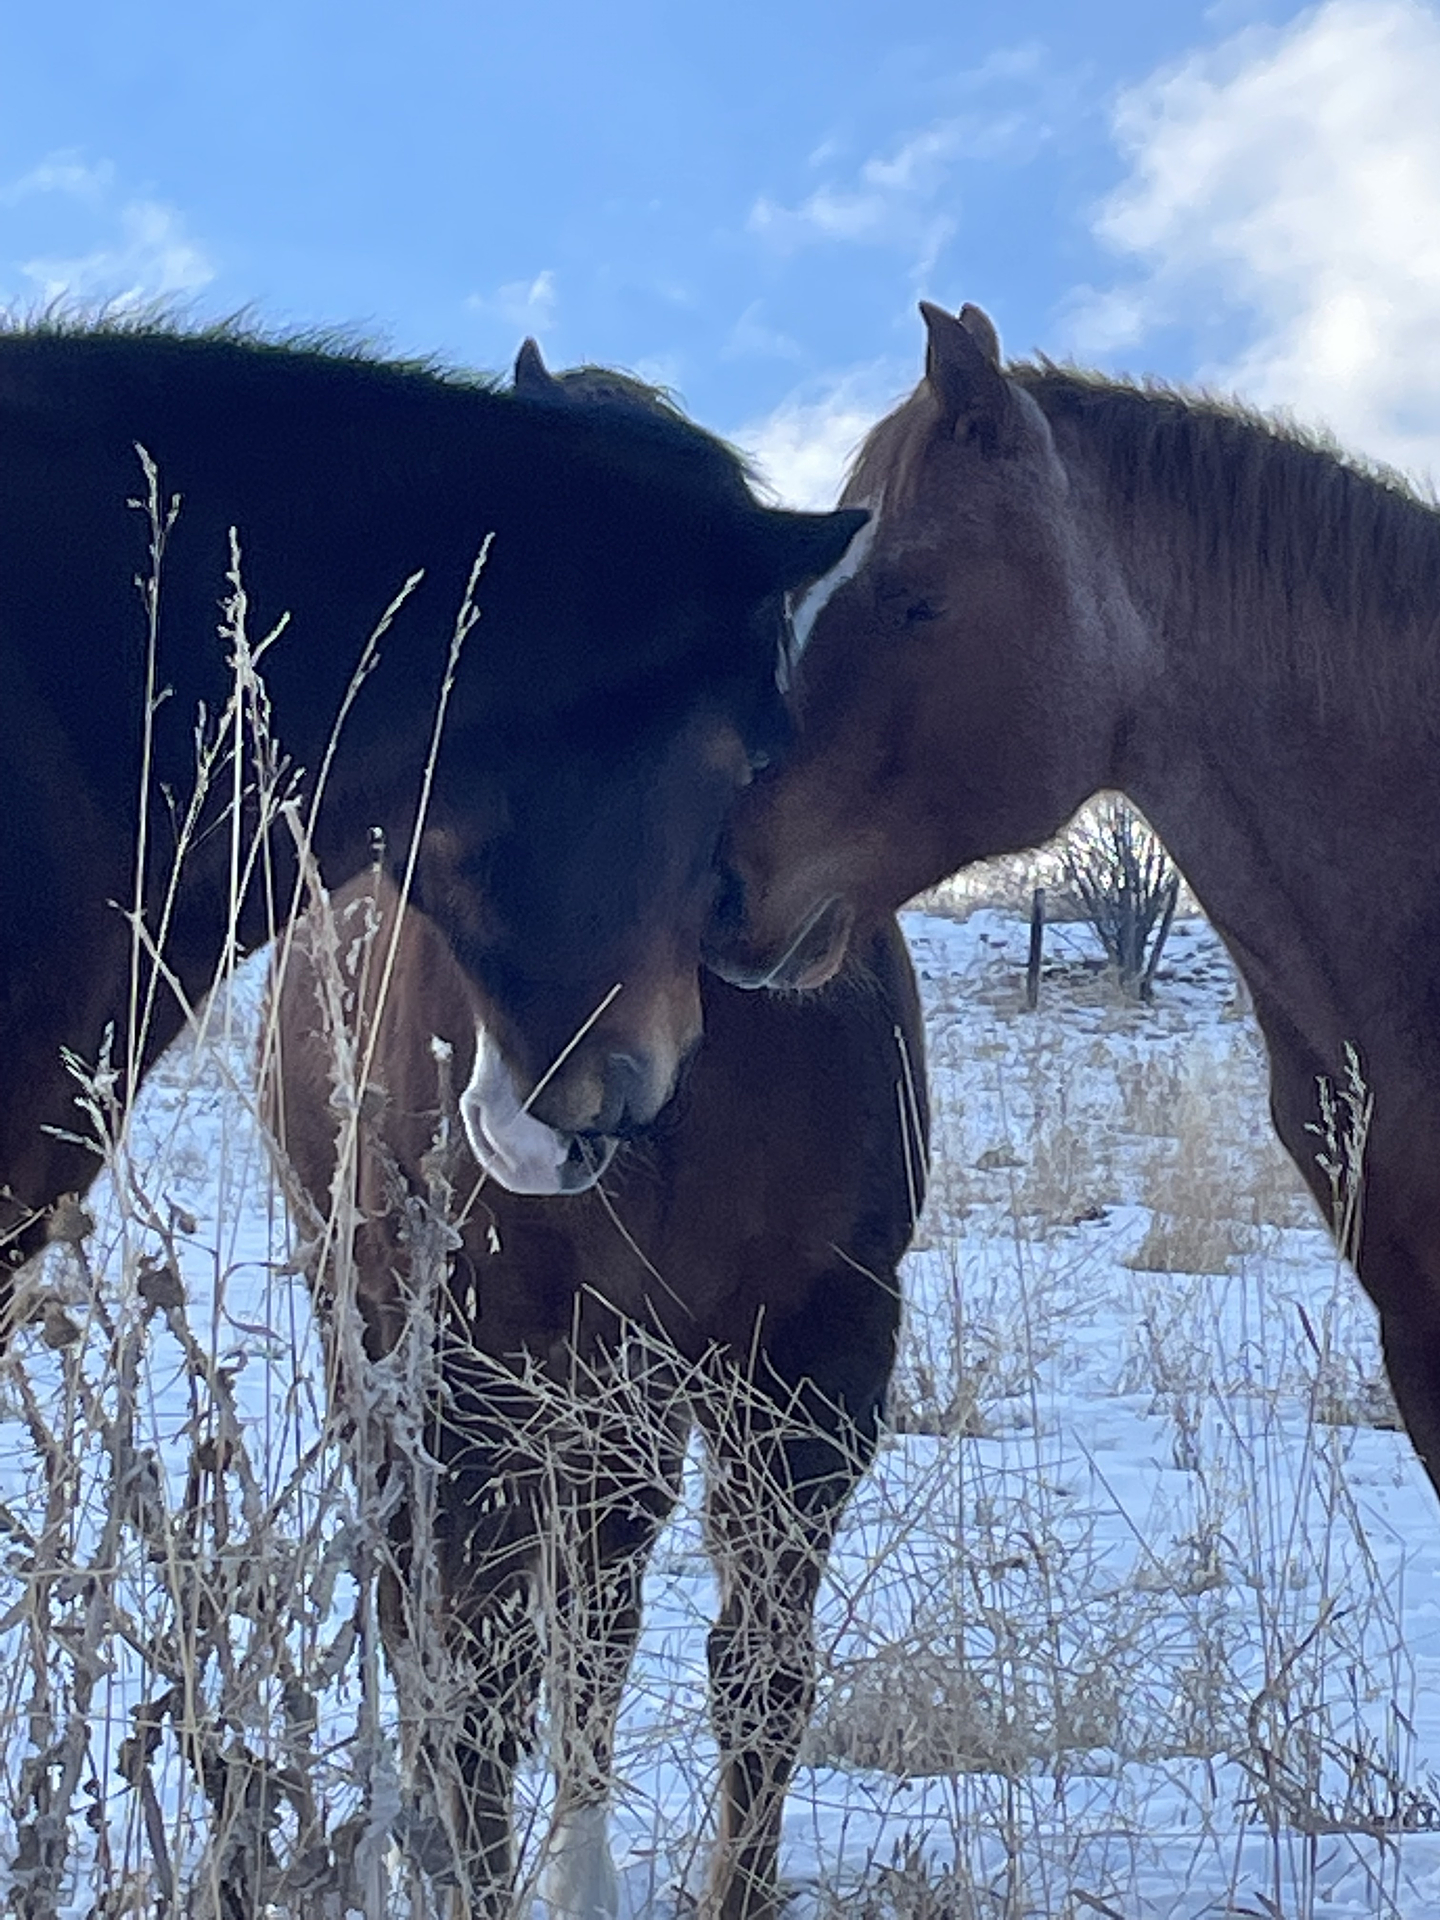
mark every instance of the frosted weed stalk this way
{"type": "Point", "coordinates": [143, 1557]}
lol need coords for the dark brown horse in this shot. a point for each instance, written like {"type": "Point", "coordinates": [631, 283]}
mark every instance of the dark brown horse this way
{"type": "Point", "coordinates": [1074, 583]}
{"type": "Point", "coordinates": [620, 688]}
{"type": "Point", "coordinates": [735, 1269]}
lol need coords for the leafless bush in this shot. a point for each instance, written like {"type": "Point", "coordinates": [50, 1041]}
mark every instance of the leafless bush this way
{"type": "Point", "coordinates": [1128, 887]}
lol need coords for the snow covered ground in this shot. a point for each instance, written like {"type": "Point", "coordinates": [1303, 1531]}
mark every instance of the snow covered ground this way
{"type": "Point", "coordinates": [1138, 1614]}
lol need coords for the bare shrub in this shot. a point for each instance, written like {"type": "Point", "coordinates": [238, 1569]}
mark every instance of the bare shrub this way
{"type": "Point", "coordinates": [1128, 888]}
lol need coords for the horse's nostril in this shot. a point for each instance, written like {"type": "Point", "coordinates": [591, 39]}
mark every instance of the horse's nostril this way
{"type": "Point", "coordinates": [728, 913]}
{"type": "Point", "coordinates": [624, 1103]}
{"type": "Point", "coordinates": [605, 1096]}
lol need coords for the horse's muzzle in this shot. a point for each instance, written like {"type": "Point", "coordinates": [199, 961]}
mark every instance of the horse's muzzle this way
{"type": "Point", "coordinates": [814, 955]}
{"type": "Point", "coordinates": [514, 1139]}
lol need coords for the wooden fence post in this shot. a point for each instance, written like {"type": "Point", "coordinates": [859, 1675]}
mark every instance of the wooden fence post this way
{"type": "Point", "coordinates": [1037, 944]}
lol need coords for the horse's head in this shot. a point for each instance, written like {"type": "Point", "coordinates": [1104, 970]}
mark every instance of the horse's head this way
{"type": "Point", "coordinates": [940, 687]}
{"type": "Point", "coordinates": [623, 693]}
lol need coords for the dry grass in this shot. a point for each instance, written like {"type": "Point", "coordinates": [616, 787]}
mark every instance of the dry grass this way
{"type": "Point", "coordinates": [1236, 1630]}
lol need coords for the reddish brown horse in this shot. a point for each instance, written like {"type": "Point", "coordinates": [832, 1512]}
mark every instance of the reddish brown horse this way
{"type": "Point", "coordinates": [736, 1269]}
{"type": "Point", "coordinates": [1074, 583]}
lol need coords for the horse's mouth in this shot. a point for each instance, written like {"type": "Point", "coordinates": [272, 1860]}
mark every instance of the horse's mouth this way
{"type": "Point", "coordinates": [814, 955]}
{"type": "Point", "coordinates": [532, 1158]}
{"type": "Point", "coordinates": [587, 1155]}
{"type": "Point", "coordinates": [514, 1148]}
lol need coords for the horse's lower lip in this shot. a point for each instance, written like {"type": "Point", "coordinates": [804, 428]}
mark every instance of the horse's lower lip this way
{"type": "Point", "coordinates": [588, 1157]}
{"type": "Point", "coordinates": [812, 957]}
{"type": "Point", "coordinates": [819, 948]}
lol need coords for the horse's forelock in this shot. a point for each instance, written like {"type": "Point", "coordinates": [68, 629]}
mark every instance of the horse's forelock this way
{"type": "Point", "coordinates": [885, 471]}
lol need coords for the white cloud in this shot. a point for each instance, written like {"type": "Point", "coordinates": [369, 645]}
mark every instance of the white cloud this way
{"type": "Point", "coordinates": [905, 196]}
{"type": "Point", "coordinates": [752, 338]}
{"type": "Point", "coordinates": [803, 448]}
{"type": "Point", "coordinates": [143, 252]}
{"type": "Point", "coordinates": [1292, 177]}
{"type": "Point", "coordinates": [528, 306]}
{"type": "Point", "coordinates": [62, 172]}
{"type": "Point", "coordinates": [150, 259]}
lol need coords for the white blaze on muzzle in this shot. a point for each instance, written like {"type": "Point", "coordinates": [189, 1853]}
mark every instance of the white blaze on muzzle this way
{"type": "Point", "coordinates": [512, 1146]}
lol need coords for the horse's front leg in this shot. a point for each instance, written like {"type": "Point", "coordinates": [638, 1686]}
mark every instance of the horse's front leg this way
{"type": "Point", "coordinates": [466, 1676]}
{"type": "Point", "coordinates": [620, 1483]}
{"type": "Point", "coordinates": [781, 1476]}
{"type": "Point", "coordinates": [478, 1639]}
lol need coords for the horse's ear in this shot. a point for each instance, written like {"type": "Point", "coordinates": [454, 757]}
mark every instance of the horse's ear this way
{"type": "Point", "coordinates": [532, 377]}
{"type": "Point", "coordinates": [981, 329]}
{"type": "Point", "coordinates": [962, 370]}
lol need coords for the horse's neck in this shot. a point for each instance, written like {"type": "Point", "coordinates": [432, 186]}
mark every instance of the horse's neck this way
{"type": "Point", "coordinates": [1276, 911]}
{"type": "Point", "coordinates": [1304, 827]}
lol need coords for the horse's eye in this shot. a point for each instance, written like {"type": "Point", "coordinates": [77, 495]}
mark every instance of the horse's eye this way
{"type": "Point", "coordinates": [756, 761]}
{"type": "Point", "coordinates": [902, 606]}
{"type": "Point", "coordinates": [921, 610]}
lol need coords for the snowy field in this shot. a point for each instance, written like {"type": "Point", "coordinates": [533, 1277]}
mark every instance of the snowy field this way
{"type": "Point", "coordinates": [1138, 1614]}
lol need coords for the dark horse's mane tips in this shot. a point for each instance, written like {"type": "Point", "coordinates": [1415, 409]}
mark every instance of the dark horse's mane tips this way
{"type": "Point", "coordinates": [649, 411]}
{"type": "Point", "coordinates": [162, 320]}
{"type": "Point", "coordinates": [610, 387]}
{"type": "Point", "coordinates": [613, 390]}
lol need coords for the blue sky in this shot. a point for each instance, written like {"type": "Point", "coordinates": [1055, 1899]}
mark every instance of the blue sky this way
{"type": "Point", "coordinates": [746, 201]}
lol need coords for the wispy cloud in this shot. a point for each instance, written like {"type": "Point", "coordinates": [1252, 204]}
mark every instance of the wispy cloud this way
{"type": "Point", "coordinates": [151, 258]}
{"type": "Point", "coordinates": [802, 449]}
{"type": "Point", "coordinates": [1290, 179]}
{"type": "Point", "coordinates": [752, 337]}
{"type": "Point", "coordinates": [63, 172]}
{"type": "Point", "coordinates": [140, 249]}
{"type": "Point", "coordinates": [526, 306]}
{"type": "Point", "coordinates": [906, 197]}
